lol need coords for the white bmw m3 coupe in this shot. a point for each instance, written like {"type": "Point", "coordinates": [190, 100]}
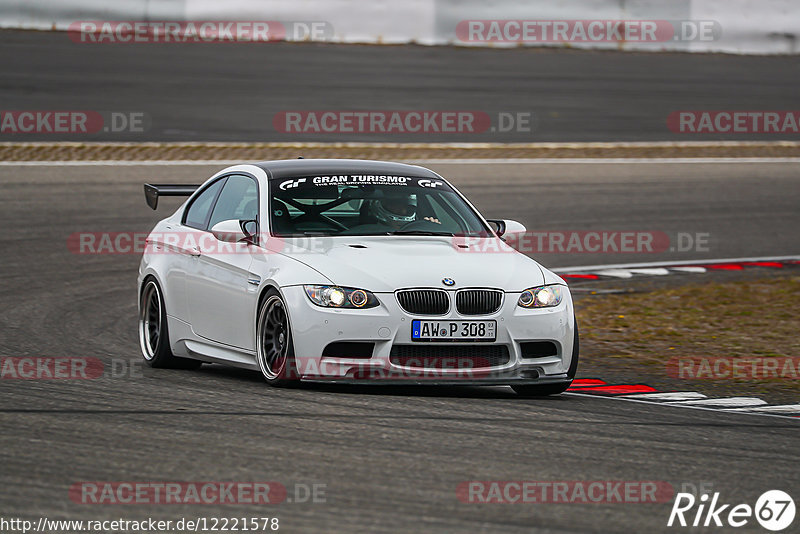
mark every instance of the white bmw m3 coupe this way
{"type": "Point", "coordinates": [349, 271]}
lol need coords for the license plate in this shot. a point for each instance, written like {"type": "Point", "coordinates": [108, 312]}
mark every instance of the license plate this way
{"type": "Point", "coordinates": [453, 330]}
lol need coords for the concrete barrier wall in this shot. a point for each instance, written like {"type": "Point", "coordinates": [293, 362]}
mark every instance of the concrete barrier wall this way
{"type": "Point", "coordinates": [741, 26]}
{"type": "Point", "coordinates": [753, 26]}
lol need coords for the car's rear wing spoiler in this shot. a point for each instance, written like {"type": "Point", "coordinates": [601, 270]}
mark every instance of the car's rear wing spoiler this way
{"type": "Point", "coordinates": [153, 191]}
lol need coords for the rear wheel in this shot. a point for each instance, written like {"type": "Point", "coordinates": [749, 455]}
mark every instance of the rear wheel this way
{"type": "Point", "coordinates": [553, 389]}
{"type": "Point", "coordinates": [153, 333]}
{"type": "Point", "coordinates": [274, 344]}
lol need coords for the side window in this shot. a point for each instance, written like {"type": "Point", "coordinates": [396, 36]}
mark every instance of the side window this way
{"type": "Point", "coordinates": [200, 208]}
{"type": "Point", "coordinates": [238, 200]}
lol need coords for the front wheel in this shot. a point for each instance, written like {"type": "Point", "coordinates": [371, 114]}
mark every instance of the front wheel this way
{"type": "Point", "coordinates": [274, 346]}
{"type": "Point", "coordinates": [553, 389]}
{"type": "Point", "coordinates": [153, 333]}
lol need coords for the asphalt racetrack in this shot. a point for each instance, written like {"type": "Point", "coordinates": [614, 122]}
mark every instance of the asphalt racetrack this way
{"type": "Point", "coordinates": [233, 92]}
{"type": "Point", "coordinates": [390, 459]}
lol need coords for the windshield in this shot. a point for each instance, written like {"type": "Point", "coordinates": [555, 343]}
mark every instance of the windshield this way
{"type": "Point", "coordinates": [355, 204]}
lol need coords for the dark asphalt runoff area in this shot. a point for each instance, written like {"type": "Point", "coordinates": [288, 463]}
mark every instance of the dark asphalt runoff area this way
{"type": "Point", "coordinates": [390, 459]}
{"type": "Point", "coordinates": [234, 91]}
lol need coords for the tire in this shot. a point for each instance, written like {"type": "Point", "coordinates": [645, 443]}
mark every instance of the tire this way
{"type": "Point", "coordinates": [274, 343]}
{"type": "Point", "coordinates": [153, 332]}
{"type": "Point", "coordinates": [553, 389]}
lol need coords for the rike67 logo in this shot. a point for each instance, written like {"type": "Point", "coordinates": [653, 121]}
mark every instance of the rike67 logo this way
{"type": "Point", "coordinates": [774, 510]}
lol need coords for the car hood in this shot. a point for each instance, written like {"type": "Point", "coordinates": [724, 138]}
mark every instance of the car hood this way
{"type": "Point", "coordinates": [384, 264]}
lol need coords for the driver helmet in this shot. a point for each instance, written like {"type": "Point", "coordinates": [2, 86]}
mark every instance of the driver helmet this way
{"type": "Point", "coordinates": [396, 209]}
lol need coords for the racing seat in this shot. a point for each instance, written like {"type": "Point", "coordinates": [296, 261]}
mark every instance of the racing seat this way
{"type": "Point", "coordinates": [364, 215]}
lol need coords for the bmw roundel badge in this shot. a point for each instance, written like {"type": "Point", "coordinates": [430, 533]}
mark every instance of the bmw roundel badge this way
{"type": "Point", "coordinates": [448, 281]}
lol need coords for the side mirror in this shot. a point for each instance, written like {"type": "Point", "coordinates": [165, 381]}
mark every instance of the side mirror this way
{"type": "Point", "coordinates": [506, 226]}
{"type": "Point", "coordinates": [234, 231]}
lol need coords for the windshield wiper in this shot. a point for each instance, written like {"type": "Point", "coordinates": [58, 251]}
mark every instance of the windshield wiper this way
{"type": "Point", "coordinates": [421, 232]}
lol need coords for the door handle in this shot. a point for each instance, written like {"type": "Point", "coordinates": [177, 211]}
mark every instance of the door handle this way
{"type": "Point", "coordinates": [194, 252]}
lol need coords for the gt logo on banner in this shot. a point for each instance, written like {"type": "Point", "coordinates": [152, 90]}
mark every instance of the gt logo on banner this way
{"type": "Point", "coordinates": [290, 184]}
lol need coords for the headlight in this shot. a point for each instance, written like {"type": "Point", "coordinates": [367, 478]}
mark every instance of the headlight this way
{"type": "Point", "coordinates": [340, 297]}
{"type": "Point", "coordinates": [541, 297]}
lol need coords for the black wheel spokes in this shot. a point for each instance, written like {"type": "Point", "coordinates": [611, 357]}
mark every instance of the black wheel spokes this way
{"type": "Point", "coordinates": [274, 338]}
{"type": "Point", "coordinates": [153, 320]}
{"type": "Point", "coordinates": [150, 322]}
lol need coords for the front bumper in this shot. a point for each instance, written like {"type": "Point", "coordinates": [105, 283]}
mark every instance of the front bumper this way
{"type": "Point", "coordinates": [314, 327]}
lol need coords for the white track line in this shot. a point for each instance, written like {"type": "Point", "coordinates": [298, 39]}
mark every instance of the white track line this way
{"type": "Point", "coordinates": [725, 402]}
{"type": "Point", "coordinates": [387, 144]}
{"type": "Point", "coordinates": [616, 273]}
{"type": "Point", "coordinates": [597, 291]}
{"type": "Point", "coordinates": [670, 264]}
{"type": "Point", "coordinates": [670, 396]}
{"type": "Point", "coordinates": [653, 271]}
{"type": "Point", "coordinates": [118, 163]}
{"type": "Point", "coordinates": [441, 161]}
{"type": "Point", "coordinates": [678, 405]}
{"type": "Point", "coordinates": [784, 408]}
{"type": "Point", "coordinates": [573, 161]}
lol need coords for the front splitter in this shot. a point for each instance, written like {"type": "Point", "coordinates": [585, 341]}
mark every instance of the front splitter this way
{"type": "Point", "coordinates": [506, 380]}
